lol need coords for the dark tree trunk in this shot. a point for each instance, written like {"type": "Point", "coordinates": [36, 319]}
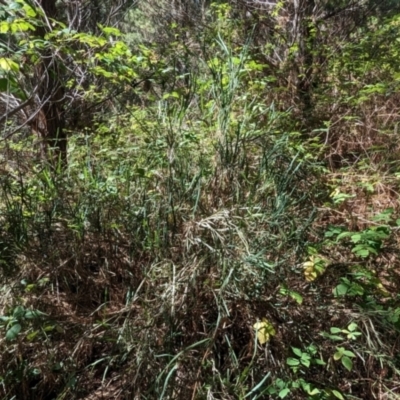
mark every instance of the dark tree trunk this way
{"type": "Point", "coordinates": [51, 120]}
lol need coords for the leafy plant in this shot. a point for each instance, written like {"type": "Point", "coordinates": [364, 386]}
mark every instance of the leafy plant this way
{"type": "Point", "coordinates": [285, 291]}
{"type": "Point", "coordinates": [351, 333]}
{"type": "Point", "coordinates": [345, 357]}
{"type": "Point", "coordinates": [314, 267]}
{"type": "Point", "coordinates": [19, 317]}
{"type": "Point", "coordinates": [304, 358]}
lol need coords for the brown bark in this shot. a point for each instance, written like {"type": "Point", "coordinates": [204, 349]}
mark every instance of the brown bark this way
{"type": "Point", "coordinates": [50, 122]}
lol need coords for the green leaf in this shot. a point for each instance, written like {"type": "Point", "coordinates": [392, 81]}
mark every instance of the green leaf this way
{"type": "Point", "coordinates": [337, 394]}
{"type": "Point", "coordinates": [18, 312]}
{"type": "Point", "coordinates": [305, 362]}
{"type": "Point", "coordinates": [21, 25]}
{"type": "Point", "coordinates": [348, 353]}
{"type": "Point", "coordinates": [347, 363]}
{"type": "Point", "coordinates": [336, 330]}
{"type": "Point", "coordinates": [306, 386]}
{"type": "Point", "coordinates": [13, 332]}
{"type": "Point", "coordinates": [344, 235]}
{"type": "Point", "coordinates": [15, 5]}
{"type": "Point", "coordinates": [32, 335]}
{"type": "Point", "coordinates": [384, 216]}
{"type": "Point", "coordinates": [352, 327]}
{"type": "Point", "coordinates": [353, 335]}
{"type": "Point", "coordinates": [362, 251]}
{"type": "Point", "coordinates": [297, 351]}
{"type": "Point", "coordinates": [293, 362]}
{"type": "Point", "coordinates": [341, 289]}
{"type": "Point", "coordinates": [49, 328]}
{"type": "Point", "coordinates": [4, 26]}
{"type": "Point", "coordinates": [296, 296]}
{"type": "Point", "coordinates": [30, 12]}
{"type": "Point", "coordinates": [111, 31]}
{"type": "Point", "coordinates": [8, 65]}
{"type": "Point", "coordinates": [32, 314]}
{"type": "Point", "coordinates": [283, 393]}
{"type": "Point", "coordinates": [338, 355]}
{"type": "Point", "coordinates": [356, 238]}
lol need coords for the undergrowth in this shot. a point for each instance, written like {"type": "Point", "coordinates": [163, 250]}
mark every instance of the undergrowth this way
{"type": "Point", "coordinates": [203, 244]}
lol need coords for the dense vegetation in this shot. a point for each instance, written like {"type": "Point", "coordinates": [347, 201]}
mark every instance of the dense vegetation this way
{"type": "Point", "coordinates": [199, 200]}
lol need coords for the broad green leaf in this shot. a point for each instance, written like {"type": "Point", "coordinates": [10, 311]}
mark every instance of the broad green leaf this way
{"type": "Point", "coordinates": [341, 289]}
{"type": "Point", "coordinates": [353, 335]}
{"type": "Point", "coordinates": [18, 312]}
{"type": "Point", "coordinates": [362, 251]}
{"type": "Point", "coordinates": [29, 11]}
{"type": "Point", "coordinates": [384, 215]}
{"type": "Point", "coordinates": [356, 238]}
{"type": "Point", "coordinates": [296, 296]}
{"type": "Point", "coordinates": [13, 332]}
{"type": "Point", "coordinates": [4, 26]}
{"type": "Point", "coordinates": [344, 235]}
{"type": "Point", "coordinates": [111, 31]}
{"type": "Point", "coordinates": [337, 394]}
{"type": "Point", "coordinates": [32, 314]}
{"type": "Point", "coordinates": [297, 351]}
{"type": "Point", "coordinates": [352, 327]}
{"type": "Point", "coordinates": [21, 25]}
{"type": "Point", "coordinates": [338, 355]}
{"type": "Point", "coordinates": [347, 363]}
{"type": "Point", "coordinates": [15, 5]}
{"type": "Point", "coordinates": [335, 330]}
{"type": "Point", "coordinates": [49, 328]}
{"type": "Point", "coordinates": [297, 384]}
{"type": "Point", "coordinates": [305, 362]}
{"type": "Point", "coordinates": [293, 362]}
{"type": "Point", "coordinates": [32, 335]}
{"type": "Point", "coordinates": [334, 337]}
{"type": "Point", "coordinates": [348, 353]}
{"type": "Point", "coordinates": [283, 393]}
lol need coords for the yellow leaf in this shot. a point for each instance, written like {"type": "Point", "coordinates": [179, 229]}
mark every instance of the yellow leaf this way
{"type": "Point", "coordinates": [382, 290]}
{"type": "Point", "coordinates": [4, 26]}
{"type": "Point", "coordinates": [308, 264]}
{"type": "Point", "coordinates": [313, 268]}
{"type": "Point", "coordinates": [7, 64]}
{"type": "Point", "coordinates": [335, 193]}
{"type": "Point", "coordinates": [310, 273]}
{"type": "Point", "coordinates": [264, 330]}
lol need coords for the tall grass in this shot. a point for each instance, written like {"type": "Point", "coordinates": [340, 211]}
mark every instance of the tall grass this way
{"type": "Point", "coordinates": [156, 248]}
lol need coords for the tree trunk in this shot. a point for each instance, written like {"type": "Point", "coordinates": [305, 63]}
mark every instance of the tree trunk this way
{"type": "Point", "coordinates": [51, 121]}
